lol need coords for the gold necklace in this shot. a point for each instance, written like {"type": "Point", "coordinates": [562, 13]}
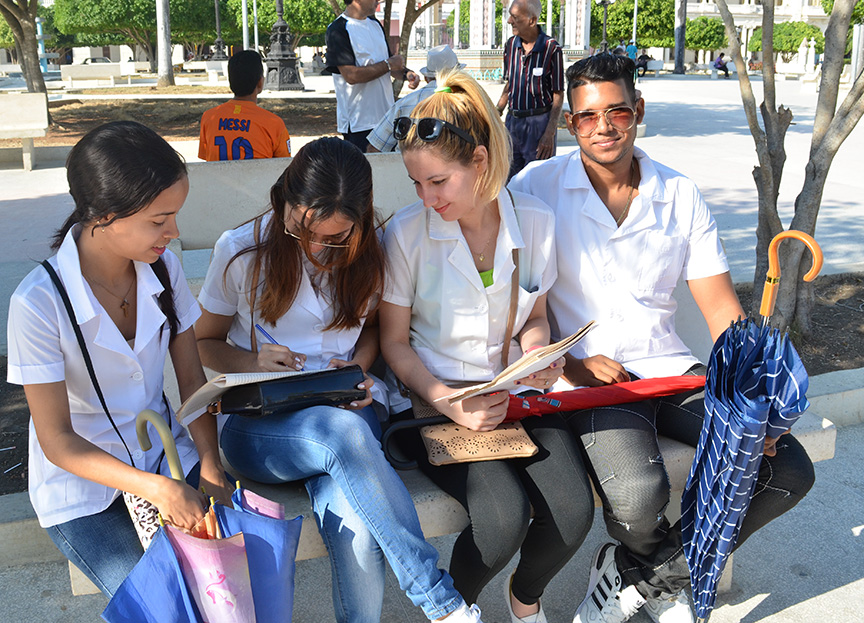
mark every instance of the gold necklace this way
{"type": "Point", "coordinates": [125, 298]}
{"type": "Point", "coordinates": [481, 257]}
{"type": "Point", "coordinates": [621, 218]}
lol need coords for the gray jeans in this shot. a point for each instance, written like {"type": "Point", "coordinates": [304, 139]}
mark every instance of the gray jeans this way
{"type": "Point", "coordinates": [624, 461]}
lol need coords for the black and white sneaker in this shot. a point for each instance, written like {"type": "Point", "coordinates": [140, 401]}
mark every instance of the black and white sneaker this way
{"type": "Point", "coordinates": [607, 600]}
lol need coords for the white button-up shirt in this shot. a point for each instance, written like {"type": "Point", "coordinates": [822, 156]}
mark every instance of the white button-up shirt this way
{"type": "Point", "coordinates": [458, 325]}
{"type": "Point", "coordinates": [623, 277]}
{"type": "Point", "coordinates": [43, 349]}
{"type": "Point", "coordinates": [301, 328]}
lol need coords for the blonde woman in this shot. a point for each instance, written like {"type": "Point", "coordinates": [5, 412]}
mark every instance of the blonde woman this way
{"type": "Point", "coordinates": [443, 322]}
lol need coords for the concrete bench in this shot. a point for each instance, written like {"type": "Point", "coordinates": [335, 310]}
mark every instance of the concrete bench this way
{"type": "Point", "coordinates": [224, 194]}
{"type": "Point", "coordinates": [655, 66]}
{"type": "Point", "coordinates": [441, 515]}
{"type": "Point", "coordinates": [96, 71]}
{"type": "Point", "coordinates": [24, 116]}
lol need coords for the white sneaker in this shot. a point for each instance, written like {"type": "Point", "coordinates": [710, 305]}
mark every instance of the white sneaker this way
{"type": "Point", "coordinates": [539, 617]}
{"type": "Point", "coordinates": [670, 608]}
{"type": "Point", "coordinates": [464, 614]}
{"type": "Point", "coordinates": [607, 601]}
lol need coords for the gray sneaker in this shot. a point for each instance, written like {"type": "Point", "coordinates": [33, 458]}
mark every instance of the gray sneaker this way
{"type": "Point", "coordinates": [670, 608]}
{"type": "Point", "coordinates": [607, 600]}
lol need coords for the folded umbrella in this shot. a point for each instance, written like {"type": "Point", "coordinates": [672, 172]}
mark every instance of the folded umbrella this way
{"type": "Point", "coordinates": [755, 386]}
{"type": "Point", "coordinates": [238, 567]}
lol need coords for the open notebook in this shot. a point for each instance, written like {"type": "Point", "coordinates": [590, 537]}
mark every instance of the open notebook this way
{"type": "Point", "coordinates": [210, 392]}
{"type": "Point", "coordinates": [536, 360]}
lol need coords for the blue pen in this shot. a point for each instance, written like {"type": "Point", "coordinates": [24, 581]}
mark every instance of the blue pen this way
{"type": "Point", "coordinates": [270, 339]}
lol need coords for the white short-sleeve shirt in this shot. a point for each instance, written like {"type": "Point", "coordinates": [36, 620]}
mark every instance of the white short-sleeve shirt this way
{"type": "Point", "coordinates": [359, 42]}
{"type": "Point", "coordinates": [43, 349]}
{"type": "Point", "coordinates": [302, 328]}
{"type": "Point", "coordinates": [624, 277]}
{"type": "Point", "coordinates": [458, 325]}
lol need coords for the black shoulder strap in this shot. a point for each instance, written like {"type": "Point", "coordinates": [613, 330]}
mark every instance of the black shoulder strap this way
{"type": "Point", "coordinates": [83, 345]}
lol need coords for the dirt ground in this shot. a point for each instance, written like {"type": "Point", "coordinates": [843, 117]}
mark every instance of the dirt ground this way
{"type": "Point", "coordinates": [837, 341]}
{"type": "Point", "coordinates": [176, 120]}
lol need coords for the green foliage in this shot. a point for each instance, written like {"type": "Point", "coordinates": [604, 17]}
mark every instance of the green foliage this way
{"type": "Point", "coordinates": [55, 38]}
{"type": "Point", "coordinates": [6, 38]}
{"type": "Point", "coordinates": [788, 37]}
{"type": "Point", "coordinates": [857, 10]}
{"type": "Point", "coordinates": [706, 33]}
{"type": "Point", "coordinates": [655, 23]}
{"type": "Point", "coordinates": [305, 17]}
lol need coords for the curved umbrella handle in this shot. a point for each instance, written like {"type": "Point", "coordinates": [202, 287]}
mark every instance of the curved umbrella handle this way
{"type": "Point", "coordinates": [149, 415]}
{"type": "Point", "coordinates": [772, 277]}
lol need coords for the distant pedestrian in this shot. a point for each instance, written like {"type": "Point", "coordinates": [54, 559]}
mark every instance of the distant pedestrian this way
{"type": "Point", "coordinates": [632, 50]}
{"type": "Point", "coordinates": [534, 86]}
{"type": "Point", "coordinates": [439, 58]}
{"type": "Point", "coordinates": [720, 65]}
{"type": "Point", "coordinates": [239, 129]}
{"type": "Point", "coordinates": [360, 59]}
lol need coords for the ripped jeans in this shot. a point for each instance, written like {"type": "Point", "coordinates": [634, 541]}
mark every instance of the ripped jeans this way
{"type": "Point", "coordinates": [624, 461]}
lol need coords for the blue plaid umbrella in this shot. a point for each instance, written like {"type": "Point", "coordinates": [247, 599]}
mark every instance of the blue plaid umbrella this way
{"type": "Point", "coordinates": [755, 386]}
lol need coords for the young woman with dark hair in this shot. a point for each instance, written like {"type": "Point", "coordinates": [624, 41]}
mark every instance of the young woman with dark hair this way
{"type": "Point", "coordinates": [125, 290]}
{"type": "Point", "coordinates": [310, 271]}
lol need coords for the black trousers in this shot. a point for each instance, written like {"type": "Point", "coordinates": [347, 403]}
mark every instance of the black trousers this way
{"type": "Point", "coordinates": [499, 496]}
{"type": "Point", "coordinates": [624, 462]}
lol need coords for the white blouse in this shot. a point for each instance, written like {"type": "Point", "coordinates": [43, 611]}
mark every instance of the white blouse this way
{"type": "Point", "coordinates": [457, 324]}
{"type": "Point", "coordinates": [301, 328]}
{"type": "Point", "coordinates": [43, 349]}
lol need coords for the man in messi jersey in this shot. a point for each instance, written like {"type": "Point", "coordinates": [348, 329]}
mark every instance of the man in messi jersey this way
{"type": "Point", "coordinates": [239, 129]}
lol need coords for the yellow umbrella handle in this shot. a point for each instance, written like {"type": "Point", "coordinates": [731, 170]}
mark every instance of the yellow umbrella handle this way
{"type": "Point", "coordinates": [149, 415]}
{"type": "Point", "coordinates": [772, 277]}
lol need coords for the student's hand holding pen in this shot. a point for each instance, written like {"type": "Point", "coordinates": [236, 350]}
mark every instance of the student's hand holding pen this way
{"type": "Point", "coordinates": [274, 357]}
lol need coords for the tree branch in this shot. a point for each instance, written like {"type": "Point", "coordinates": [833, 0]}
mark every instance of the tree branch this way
{"type": "Point", "coordinates": [832, 67]}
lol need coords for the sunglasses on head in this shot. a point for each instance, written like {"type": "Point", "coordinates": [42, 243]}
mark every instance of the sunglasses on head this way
{"type": "Point", "coordinates": [428, 129]}
{"type": "Point", "coordinates": [585, 122]}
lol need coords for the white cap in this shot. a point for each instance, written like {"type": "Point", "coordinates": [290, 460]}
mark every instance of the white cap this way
{"type": "Point", "coordinates": [439, 58]}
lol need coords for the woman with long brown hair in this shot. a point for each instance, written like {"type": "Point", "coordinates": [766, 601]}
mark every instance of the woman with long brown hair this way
{"type": "Point", "coordinates": [310, 271]}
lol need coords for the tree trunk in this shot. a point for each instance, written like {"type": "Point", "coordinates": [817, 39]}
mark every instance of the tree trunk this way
{"type": "Point", "coordinates": [337, 8]}
{"type": "Point", "coordinates": [412, 12]}
{"type": "Point", "coordinates": [163, 43]}
{"type": "Point", "coordinates": [22, 22]}
{"type": "Point", "coordinates": [830, 129]}
{"type": "Point", "coordinates": [680, 32]}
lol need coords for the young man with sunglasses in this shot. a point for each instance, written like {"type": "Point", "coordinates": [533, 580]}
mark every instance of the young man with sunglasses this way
{"type": "Point", "coordinates": [627, 229]}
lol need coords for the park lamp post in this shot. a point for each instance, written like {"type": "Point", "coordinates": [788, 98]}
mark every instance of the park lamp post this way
{"type": "Point", "coordinates": [282, 74]}
{"type": "Point", "coordinates": [219, 44]}
{"type": "Point", "coordinates": [604, 46]}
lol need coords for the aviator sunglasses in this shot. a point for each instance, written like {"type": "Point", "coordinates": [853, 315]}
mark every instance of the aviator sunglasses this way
{"type": "Point", "coordinates": [585, 122]}
{"type": "Point", "coordinates": [428, 129]}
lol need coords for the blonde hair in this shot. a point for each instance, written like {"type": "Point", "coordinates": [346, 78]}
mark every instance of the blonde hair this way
{"type": "Point", "coordinates": [467, 106]}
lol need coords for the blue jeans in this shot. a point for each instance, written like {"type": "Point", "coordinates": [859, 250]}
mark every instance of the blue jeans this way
{"type": "Point", "coordinates": [627, 468]}
{"type": "Point", "coordinates": [104, 546]}
{"type": "Point", "coordinates": [341, 444]}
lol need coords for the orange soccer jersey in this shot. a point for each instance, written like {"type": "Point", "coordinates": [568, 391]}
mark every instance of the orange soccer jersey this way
{"type": "Point", "coordinates": [238, 129]}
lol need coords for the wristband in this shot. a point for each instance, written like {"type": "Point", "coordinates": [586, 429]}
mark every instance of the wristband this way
{"type": "Point", "coordinates": [387, 62]}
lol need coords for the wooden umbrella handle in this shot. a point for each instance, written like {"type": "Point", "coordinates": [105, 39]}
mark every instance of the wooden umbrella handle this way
{"type": "Point", "coordinates": [772, 277]}
{"type": "Point", "coordinates": [148, 415]}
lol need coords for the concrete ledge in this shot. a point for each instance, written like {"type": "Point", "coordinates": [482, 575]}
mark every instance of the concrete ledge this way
{"type": "Point", "coordinates": [441, 515]}
{"type": "Point", "coordinates": [839, 396]}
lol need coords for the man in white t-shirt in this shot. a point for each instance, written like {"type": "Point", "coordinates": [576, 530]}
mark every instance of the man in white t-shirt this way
{"type": "Point", "coordinates": [627, 229]}
{"type": "Point", "coordinates": [358, 56]}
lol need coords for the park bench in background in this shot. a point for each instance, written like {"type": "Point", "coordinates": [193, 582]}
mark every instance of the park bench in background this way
{"type": "Point", "coordinates": [96, 71]}
{"type": "Point", "coordinates": [24, 116]}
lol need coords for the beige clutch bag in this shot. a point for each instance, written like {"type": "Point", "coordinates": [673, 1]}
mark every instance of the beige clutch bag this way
{"type": "Point", "coordinates": [450, 443]}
